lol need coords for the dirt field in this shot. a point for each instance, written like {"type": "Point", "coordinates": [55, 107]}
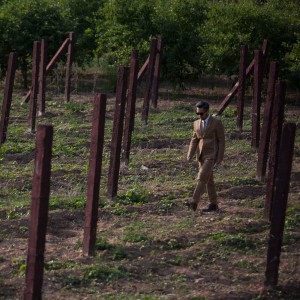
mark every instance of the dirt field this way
{"type": "Point", "coordinates": [150, 245]}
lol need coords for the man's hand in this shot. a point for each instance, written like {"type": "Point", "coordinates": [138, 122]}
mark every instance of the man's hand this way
{"type": "Point", "coordinates": [188, 158]}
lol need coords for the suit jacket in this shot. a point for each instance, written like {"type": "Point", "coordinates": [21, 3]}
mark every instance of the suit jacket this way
{"type": "Point", "coordinates": [211, 144]}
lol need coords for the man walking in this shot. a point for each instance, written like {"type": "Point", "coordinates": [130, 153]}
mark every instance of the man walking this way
{"type": "Point", "coordinates": [208, 143]}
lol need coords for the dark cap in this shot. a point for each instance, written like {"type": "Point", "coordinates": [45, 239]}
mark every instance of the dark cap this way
{"type": "Point", "coordinates": [202, 104]}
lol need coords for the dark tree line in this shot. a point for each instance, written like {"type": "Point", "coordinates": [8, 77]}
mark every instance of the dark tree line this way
{"type": "Point", "coordinates": [200, 36]}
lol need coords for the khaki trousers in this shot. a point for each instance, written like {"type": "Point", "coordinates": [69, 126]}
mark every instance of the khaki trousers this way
{"type": "Point", "coordinates": [205, 181]}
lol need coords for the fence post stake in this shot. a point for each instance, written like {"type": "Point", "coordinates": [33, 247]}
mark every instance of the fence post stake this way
{"type": "Point", "coordinates": [116, 142]}
{"type": "Point", "coordinates": [39, 213]}
{"type": "Point", "coordinates": [149, 81]}
{"type": "Point", "coordinates": [71, 48]}
{"type": "Point", "coordinates": [283, 175]}
{"type": "Point", "coordinates": [94, 175]}
{"type": "Point", "coordinates": [8, 89]}
{"type": "Point", "coordinates": [51, 64]}
{"type": "Point", "coordinates": [241, 87]}
{"type": "Point", "coordinates": [156, 75]}
{"type": "Point", "coordinates": [130, 109]}
{"type": "Point", "coordinates": [231, 94]}
{"type": "Point", "coordinates": [42, 79]}
{"type": "Point", "coordinates": [256, 103]}
{"type": "Point", "coordinates": [263, 149]}
{"type": "Point", "coordinates": [34, 85]}
{"type": "Point", "coordinates": [277, 121]}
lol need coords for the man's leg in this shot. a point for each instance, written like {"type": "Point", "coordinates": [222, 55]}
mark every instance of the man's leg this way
{"type": "Point", "coordinates": [205, 171]}
{"type": "Point", "coordinates": [199, 190]}
{"type": "Point", "coordinates": [211, 190]}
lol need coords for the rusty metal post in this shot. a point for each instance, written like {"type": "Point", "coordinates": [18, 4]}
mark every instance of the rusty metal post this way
{"type": "Point", "coordinates": [70, 59]}
{"type": "Point", "coordinates": [276, 125]}
{"type": "Point", "coordinates": [263, 149]}
{"type": "Point", "coordinates": [241, 87]}
{"type": "Point", "coordinates": [156, 76]}
{"type": "Point", "coordinates": [8, 89]}
{"type": "Point", "coordinates": [233, 91]}
{"type": "Point", "coordinates": [34, 85]}
{"type": "Point", "coordinates": [280, 203]}
{"type": "Point", "coordinates": [39, 213]}
{"type": "Point", "coordinates": [256, 103]}
{"type": "Point", "coordinates": [95, 165]}
{"type": "Point", "coordinates": [42, 79]}
{"type": "Point", "coordinates": [50, 65]}
{"type": "Point", "coordinates": [116, 142]}
{"type": "Point", "coordinates": [130, 109]}
{"type": "Point", "coordinates": [149, 80]}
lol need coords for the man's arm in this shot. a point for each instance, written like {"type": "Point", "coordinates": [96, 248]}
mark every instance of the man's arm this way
{"type": "Point", "coordinates": [193, 146]}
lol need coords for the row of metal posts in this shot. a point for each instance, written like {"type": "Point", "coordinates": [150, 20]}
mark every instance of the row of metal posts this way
{"type": "Point", "coordinates": [41, 190]}
{"type": "Point", "coordinates": [274, 143]}
{"type": "Point", "coordinates": [37, 93]}
{"type": "Point", "coordinates": [40, 68]}
{"type": "Point", "coordinates": [126, 93]}
{"type": "Point", "coordinates": [280, 91]}
{"type": "Point", "coordinates": [126, 98]}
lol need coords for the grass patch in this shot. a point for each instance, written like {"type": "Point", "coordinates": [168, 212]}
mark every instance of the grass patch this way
{"type": "Point", "coordinates": [247, 265]}
{"type": "Point", "coordinates": [292, 219]}
{"type": "Point", "coordinates": [133, 196]}
{"type": "Point", "coordinates": [234, 242]}
{"type": "Point", "coordinates": [136, 233]}
{"type": "Point", "coordinates": [147, 228]}
{"type": "Point", "coordinates": [165, 205]}
{"type": "Point", "coordinates": [74, 203]}
{"type": "Point", "coordinates": [245, 181]}
{"type": "Point", "coordinates": [103, 273]}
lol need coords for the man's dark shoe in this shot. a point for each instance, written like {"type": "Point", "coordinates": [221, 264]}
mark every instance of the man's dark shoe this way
{"type": "Point", "coordinates": [192, 205]}
{"type": "Point", "coordinates": [211, 207]}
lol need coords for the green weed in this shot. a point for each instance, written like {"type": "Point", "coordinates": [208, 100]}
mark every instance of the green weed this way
{"type": "Point", "coordinates": [119, 253]}
{"type": "Point", "coordinates": [102, 244]}
{"type": "Point", "coordinates": [75, 107]}
{"type": "Point", "coordinates": [74, 203]}
{"type": "Point", "coordinates": [14, 214]}
{"type": "Point", "coordinates": [237, 242]}
{"type": "Point", "coordinates": [249, 266]}
{"type": "Point", "coordinates": [245, 181]}
{"type": "Point", "coordinates": [53, 265]}
{"type": "Point", "coordinates": [165, 205]}
{"type": "Point", "coordinates": [229, 112]}
{"type": "Point", "coordinates": [57, 265]}
{"type": "Point", "coordinates": [173, 244]}
{"type": "Point", "coordinates": [292, 219]}
{"type": "Point", "coordinates": [103, 273]}
{"type": "Point", "coordinates": [135, 237]}
{"type": "Point", "coordinates": [122, 211]}
{"type": "Point", "coordinates": [78, 244]}
{"type": "Point", "coordinates": [135, 233]}
{"type": "Point", "coordinates": [133, 196]}
{"type": "Point", "coordinates": [71, 281]}
{"type": "Point", "coordinates": [20, 264]}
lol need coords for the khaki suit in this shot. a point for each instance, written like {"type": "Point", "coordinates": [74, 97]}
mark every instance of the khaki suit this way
{"type": "Point", "coordinates": [209, 148]}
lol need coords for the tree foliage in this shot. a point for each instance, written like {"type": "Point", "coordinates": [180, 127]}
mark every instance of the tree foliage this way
{"type": "Point", "coordinates": [80, 14]}
{"type": "Point", "coordinates": [231, 24]}
{"type": "Point", "coordinates": [200, 36]}
{"type": "Point", "coordinates": [25, 21]}
{"type": "Point", "coordinates": [123, 25]}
